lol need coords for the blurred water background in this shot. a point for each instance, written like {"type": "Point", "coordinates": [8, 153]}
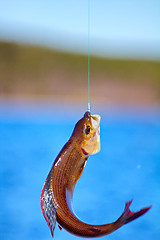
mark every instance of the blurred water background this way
{"type": "Point", "coordinates": [126, 168]}
{"type": "Point", "coordinates": [43, 93]}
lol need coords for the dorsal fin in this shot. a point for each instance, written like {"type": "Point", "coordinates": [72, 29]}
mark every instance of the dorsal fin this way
{"type": "Point", "coordinates": [47, 206]}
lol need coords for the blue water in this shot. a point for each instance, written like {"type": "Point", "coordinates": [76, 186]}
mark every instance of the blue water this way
{"type": "Point", "coordinates": [128, 167]}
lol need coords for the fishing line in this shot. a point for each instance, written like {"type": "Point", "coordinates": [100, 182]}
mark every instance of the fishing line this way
{"type": "Point", "coordinates": [89, 104]}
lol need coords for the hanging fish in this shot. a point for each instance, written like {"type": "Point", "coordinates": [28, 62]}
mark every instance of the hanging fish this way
{"type": "Point", "coordinates": [56, 196]}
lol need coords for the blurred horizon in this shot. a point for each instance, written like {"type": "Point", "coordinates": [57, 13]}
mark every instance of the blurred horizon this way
{"type": "Point", "coordinates": [44, 47]}
{"type": "Point", "coordinates": [35, 72]}
{"type": "Point", "coordinates": [118, 29]}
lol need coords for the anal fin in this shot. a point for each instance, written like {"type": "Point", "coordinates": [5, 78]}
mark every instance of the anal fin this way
{"type": "Point", "coordinates": [60, 228]}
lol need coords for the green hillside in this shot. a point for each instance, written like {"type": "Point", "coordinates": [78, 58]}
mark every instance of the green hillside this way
{"type": "Point", "coordinates": [32, 70]}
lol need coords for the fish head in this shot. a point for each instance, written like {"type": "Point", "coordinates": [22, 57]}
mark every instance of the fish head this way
{"type": "Point", "coordinates": [87, 130]}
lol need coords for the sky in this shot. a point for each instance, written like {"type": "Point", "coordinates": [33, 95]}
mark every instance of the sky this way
{"type": "Point", "coordinates": [121, 28]}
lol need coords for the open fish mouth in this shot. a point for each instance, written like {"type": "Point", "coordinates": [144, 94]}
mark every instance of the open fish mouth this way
{"type": "Point", "coordinates": [95, 120]}
{"type": "Point", "coordinates": [92, 145]}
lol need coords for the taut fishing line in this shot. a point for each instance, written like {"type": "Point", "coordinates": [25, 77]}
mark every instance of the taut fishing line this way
{"type": "Point", "coordinates": [89, 104]}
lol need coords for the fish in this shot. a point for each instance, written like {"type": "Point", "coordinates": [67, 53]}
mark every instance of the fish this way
{"type": "Point", "coordinates": [57, 192]}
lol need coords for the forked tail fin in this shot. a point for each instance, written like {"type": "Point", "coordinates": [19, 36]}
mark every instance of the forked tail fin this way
{"type": "Point", "coordinates": [128, 216]}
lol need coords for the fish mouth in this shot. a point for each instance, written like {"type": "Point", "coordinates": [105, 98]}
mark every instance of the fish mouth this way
{"type": "Point", "coordinates": [92, 145]}
{"type": "Point", "coordinates": [95, 120]}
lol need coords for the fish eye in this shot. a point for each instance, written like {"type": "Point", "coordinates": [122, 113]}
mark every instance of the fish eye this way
{"type": "Point", "coordinates": [87, 130]}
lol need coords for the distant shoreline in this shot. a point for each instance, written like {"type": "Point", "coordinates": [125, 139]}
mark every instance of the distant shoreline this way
{"type": "Point", "coordinates": [31, 74]}
{"type": "Point", "coordinates": [21, 101]}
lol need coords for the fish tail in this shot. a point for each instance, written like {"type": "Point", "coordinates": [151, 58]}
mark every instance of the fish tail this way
{"type": "Point", "coordinates": [128, 216]}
